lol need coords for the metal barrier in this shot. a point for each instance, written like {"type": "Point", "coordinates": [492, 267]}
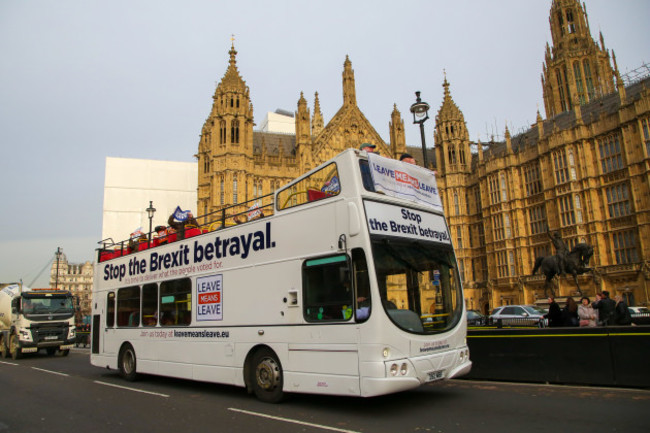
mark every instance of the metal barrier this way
{"type": "Point", "coordinates": [613, 356]}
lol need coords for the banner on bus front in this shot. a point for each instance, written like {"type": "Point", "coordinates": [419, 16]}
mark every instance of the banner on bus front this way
{"type": "Point", "coordinates": [406, 181]}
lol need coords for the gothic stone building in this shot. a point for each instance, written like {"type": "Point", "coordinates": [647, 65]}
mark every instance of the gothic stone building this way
{"type": "Point", "coordinates": [582, 171]}
{"type": "Point", "coordinates": [237, 164]}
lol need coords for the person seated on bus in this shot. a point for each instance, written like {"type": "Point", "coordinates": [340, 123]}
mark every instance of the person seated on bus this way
{"type": "Point", "coordinates": [368, 147]}
{"type": "Point", "coordinates": [180, 226]}
{"type": "Point", "coordinates": [408, 158]}
{"type": "Point", "coordinates": [161, 235]}
{"type": "Point", "coordinates": [363, 308]}
{"type": "Point", "coordinates": [239, 219]}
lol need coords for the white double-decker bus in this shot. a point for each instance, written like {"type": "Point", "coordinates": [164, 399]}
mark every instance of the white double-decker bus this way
{"type": "Point", "coordinates": [342, 282]}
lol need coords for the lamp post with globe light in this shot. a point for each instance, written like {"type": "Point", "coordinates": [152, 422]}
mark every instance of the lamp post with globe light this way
{"type": "Point", "coordinates": [420, 112]}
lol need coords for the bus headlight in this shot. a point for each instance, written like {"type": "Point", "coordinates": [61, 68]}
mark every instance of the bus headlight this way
{"type": "Point", "coordinates": [386, 352]}
{"type": "Point", "coordinates": [404, 369]}
{"type": "Point", "coordinates": [393, 370]}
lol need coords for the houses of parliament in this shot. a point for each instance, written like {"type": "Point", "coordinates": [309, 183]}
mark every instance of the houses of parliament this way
{"type": "Point", "coordinates": [582, 170]}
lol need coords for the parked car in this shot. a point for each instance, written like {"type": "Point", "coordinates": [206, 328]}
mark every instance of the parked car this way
{"type": "Point", "coordinates": [640, 315]}
{"type": "Point", "coordinates": [475, 318]}
{"type": "Point", "coordinates": [518, 315]}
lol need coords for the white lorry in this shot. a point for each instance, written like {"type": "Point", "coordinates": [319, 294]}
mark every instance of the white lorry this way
{"type": "Point", "coordinates": [33, 319]}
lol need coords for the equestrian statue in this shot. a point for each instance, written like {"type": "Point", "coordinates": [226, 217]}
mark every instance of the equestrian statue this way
{"type": "Point", "coordinates": [574, 262]}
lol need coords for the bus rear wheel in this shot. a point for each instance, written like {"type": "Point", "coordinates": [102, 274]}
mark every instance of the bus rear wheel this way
{"type": "Point", "coordinates": [267, 377]}
{"type": "Point", "coordinates": [127, 363]}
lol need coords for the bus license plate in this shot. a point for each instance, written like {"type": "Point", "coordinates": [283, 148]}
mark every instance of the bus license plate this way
{"type": "Point", "coordinates": [50, 337]}
{"type": "Point", "coordinates": [435, 375]}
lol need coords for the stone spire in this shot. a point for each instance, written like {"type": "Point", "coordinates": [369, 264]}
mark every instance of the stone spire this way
{"type": "Point", "coordinates": [317, 123]}
{"type": "Point", "coordinates": [451, 136]}
{"type": "Point", "coordinates": [349, 88]}
{"type": "Point", "coordinates": [396, 129]}
{"type": "Point", "coordinates": [576, 68]}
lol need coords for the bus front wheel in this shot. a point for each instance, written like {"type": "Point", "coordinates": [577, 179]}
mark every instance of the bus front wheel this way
{"type": "Point", "coordinates": [127, 363]}
{"type": "Point", "coordinates": [267, 377]}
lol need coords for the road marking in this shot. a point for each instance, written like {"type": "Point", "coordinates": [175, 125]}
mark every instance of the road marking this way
{"type": "Point", "coordinates": [131, 389]}
{"type": "Point", "coordinates": [277, 418]}
{"type": "Point", "coordinates": [8, 363]}
{"type": "Point", "coordinates": [50, 371]}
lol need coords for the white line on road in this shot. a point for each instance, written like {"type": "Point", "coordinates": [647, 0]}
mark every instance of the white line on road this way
{"type": "Point", "coordinates": [131, 389]}
{"type": "Point", "coordinates": [50, 371]}
{"type": "Point", "coordinates": [277, 418]}
{"type": "Point", "coordinates": [8, 363]}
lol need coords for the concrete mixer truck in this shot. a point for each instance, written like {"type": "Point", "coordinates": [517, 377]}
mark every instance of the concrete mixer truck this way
{"type": "Point", "coordinates": [33, 319]}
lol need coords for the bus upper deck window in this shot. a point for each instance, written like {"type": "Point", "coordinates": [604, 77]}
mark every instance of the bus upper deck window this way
{"type": "Point", "coordinates": [319, 185]}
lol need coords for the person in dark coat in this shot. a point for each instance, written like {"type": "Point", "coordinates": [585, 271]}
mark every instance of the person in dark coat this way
{"type": "Point", "coordinates": [621, 312]}
{"type": "Point", "coordinates": [554, 314]}
{"type": "Point", "coordinates": [570, 313]}
{"type": "Point", "coordinates": [606, 308]}
{"type": "Point", "coordinates": [180, 226]}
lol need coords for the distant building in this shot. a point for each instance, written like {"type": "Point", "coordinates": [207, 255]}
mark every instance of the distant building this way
{"type": "Point", "coordinates": [280, 121]}
{"type": "Point", "coordinates": [129, 186]}
{"type": "Point", "coordinates": [75, 277]}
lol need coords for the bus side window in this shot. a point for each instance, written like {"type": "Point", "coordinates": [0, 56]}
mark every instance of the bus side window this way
{"type": "Point", "coordinates": [150, 304]}
{"type": "Point", "coordinates": [176, 302]}
{"type": "Point", "coordinates": [110, 310]}
{"type": "Point", "coordinates": [128, 306]}
{"type": "Point", "coordinates": [362, 285]}
{"type": "Point", "coordinates": [327, 291]}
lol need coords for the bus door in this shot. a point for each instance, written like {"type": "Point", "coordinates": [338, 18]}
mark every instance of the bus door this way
{"type": "Point", "coordinates": [333, 307]}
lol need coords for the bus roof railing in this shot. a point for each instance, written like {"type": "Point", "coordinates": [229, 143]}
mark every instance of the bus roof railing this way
{"type": "Point", "coordinates": [227, 216]}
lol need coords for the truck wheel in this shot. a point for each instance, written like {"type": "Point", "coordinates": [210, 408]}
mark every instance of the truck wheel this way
{"type": "Point", "coordinates": [64, 352]}
{"type": "Point", "coordinates": [14, 347]}
{"type": "Point", "coordinates": [267, 378]}
{"type": "Point", "coordinates": [127, 363]}
{"type": "Point", "coordinates": [4, 350]}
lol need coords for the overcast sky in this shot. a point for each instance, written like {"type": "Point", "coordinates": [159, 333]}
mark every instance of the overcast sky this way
{"type": "Point", "coordinates": [83, 80]}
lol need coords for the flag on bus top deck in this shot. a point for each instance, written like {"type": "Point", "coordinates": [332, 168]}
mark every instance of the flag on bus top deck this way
{"type": "Point", "coordinates": [404, 180]}
{"type": "Point", "coordinates": [254, 211]}
{"type": "Point", "coordinates": [137, 233]}
{"type": "Point", "coordinates": [332, 186]}
{"type": "Point", "coordinates": [180, 215]}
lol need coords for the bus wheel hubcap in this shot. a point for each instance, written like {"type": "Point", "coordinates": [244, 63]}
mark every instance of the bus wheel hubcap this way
{"type": "Point", "coordinates": [268, 374]}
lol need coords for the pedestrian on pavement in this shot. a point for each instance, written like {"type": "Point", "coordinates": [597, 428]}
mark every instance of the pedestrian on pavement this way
{"type": "Point", "coordinates": [621, 312]}
{"type": "Point", "coordinates": [606, 308]}
{"type": "Point", "coordinates": [554, 314]}
{"type": "Point", "coordinates": [570, 313]}
{"type": "Point", "coordinates": [588, 316]}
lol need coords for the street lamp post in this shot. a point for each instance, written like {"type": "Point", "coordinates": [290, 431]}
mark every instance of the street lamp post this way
{"type": "Point", "coordinates": [150, 211]}
{"type": "Point", "coordinates": [420, 112]}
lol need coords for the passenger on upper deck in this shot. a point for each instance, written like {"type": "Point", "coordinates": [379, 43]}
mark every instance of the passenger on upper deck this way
{"type": "Point", "coordinates": [185, 220]}
{"type": "Point", "coordinates": [370, 148]}
{"type": "Point", "coordinates": [407, 157]}
{"type": "Point", "coordinates": [161, 234]}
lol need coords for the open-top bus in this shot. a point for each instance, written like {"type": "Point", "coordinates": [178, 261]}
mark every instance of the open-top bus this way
{"type": "Point", "coordinates": [342, 282]}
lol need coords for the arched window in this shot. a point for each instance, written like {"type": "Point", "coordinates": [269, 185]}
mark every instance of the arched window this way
{"type": "Point", "coordinates": [234, 132]}
{"type": "Point", "coordinates": [234, 189]}
{"type": "Point", "coordinates": [222, 132]}
{"type": "Point", "coordinates": [222, 193]}
{"type": "Point", "coordinates": [456, 204]}
{"type": "Point", "coordinates": [504, 188]}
